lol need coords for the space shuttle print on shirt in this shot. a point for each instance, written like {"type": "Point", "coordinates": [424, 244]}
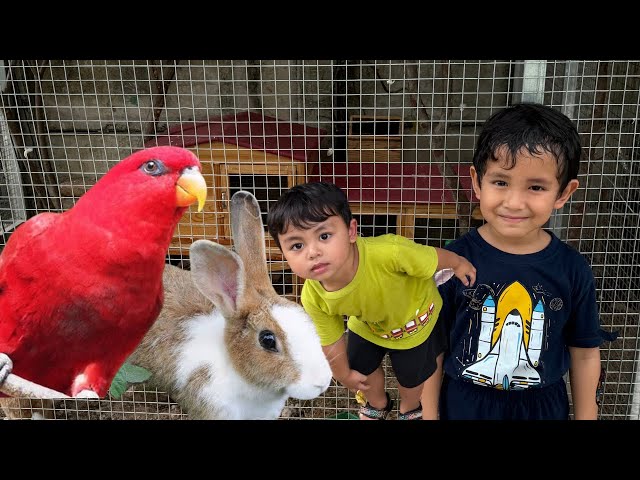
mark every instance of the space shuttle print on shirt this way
{"type": "Point", "coordinates": [511, 336]}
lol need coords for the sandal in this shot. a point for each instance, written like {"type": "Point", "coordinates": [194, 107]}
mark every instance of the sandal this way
{"type": "Point", "coordinates": [415, 414]}
{"type": "Point", "coordinates": [376, 413]}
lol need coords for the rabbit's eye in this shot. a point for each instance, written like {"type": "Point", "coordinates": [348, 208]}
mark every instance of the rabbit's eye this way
{"type": "Point", "coordinates": [267, 340]}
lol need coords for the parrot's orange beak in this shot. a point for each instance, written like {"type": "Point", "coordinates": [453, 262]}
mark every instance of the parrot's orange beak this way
{"type": "Point", "coordinates": [191, 187]}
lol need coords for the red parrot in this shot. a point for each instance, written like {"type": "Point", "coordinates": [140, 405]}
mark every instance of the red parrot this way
{"type": "Point", "coordinates": [79, 289]}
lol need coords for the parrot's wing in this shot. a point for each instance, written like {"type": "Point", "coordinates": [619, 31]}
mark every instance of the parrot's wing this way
{"type": "Point", "coordinates": [28, 234]}
{"type": "Point", "coordinates": [20, 254]}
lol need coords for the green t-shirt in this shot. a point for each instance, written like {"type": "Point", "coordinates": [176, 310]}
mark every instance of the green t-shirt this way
{"type": "Point", "coordinates": [392, 301]}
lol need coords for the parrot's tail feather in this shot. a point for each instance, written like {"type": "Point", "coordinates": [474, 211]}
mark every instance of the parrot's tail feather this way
{"type": "Point", "coordinates": [16, 386]}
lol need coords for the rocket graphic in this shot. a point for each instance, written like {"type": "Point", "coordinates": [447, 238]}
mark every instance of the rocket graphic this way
{"type": "Point", "coordinates": [510, 341]}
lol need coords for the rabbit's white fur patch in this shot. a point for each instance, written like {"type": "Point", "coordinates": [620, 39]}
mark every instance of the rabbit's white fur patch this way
{"type": "Point", "coordinates": [315, 376]}
{"type": "Point", "coordinates": [227, 392]}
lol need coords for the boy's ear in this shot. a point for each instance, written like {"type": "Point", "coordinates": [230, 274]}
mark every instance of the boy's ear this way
{"type": "Point", "coordinates": [571, 187]}
{"type": "Point", "coordinates": [475, 181]}
{"type": "Point", "coordinates": [353, 230]}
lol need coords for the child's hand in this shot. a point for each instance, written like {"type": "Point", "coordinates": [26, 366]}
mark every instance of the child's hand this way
{"type": "Point", "coordinates": [460, 266]}
{"type": "Point", "coordinates": [355, 381]}
{"type": "Point", "coordinates": [463, 270]}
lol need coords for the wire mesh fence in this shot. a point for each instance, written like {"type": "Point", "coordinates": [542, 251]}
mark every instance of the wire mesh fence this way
{"type": "Point", "coordinates": [397, 135]}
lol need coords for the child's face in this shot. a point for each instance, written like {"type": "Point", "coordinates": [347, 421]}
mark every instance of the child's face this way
{"type": "Point", "coordinates": [321, 252]}
{"type": "Point", "coordinates": [516, 203]}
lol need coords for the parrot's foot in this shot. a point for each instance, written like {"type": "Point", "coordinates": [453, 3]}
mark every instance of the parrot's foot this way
{"type": "Point", "coordinates": [87, 394]}
{"type": "Point", "coordinates": [6, 366]}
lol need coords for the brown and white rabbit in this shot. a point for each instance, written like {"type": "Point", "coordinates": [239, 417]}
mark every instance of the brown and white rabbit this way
{"type": "Point", "coordinates": [225, 345]}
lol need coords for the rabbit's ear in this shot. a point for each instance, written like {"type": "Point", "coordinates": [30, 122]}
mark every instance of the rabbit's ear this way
{"type": "Point", "coordinates": [218, 273]}
{"type": "Point", "coordinates": [248, 238]}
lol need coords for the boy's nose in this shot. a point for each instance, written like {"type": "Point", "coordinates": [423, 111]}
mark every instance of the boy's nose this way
{"type": "Point", "coordinates": [513, 199]}
{"type": "Point", "coordinates": [312, 251]}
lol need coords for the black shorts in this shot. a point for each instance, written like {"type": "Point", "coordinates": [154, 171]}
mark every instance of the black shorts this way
{"type": "Point", "coordinates": [411, 367]}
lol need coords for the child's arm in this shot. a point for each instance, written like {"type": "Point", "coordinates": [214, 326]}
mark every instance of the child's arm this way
{"type": "Point", "coordinates": [461, 267]}
{"type": "Point", "coordinates": [336, 355]}
{"type": "Point", "coordinates": [584, 375]}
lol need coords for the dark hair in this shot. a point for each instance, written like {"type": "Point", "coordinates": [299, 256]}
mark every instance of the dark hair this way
{"type": "Point", "coordinates": [306, 204]}
{"type": "Point", "coordinates": [537, 128]}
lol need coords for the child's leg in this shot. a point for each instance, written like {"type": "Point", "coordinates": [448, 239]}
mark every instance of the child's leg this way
{"type": "Point", "coordinates": [426, 394]}
{"type": "Point", "coordinates": [409, 398]}
{"type": "Point", "coordinates": [366, 358]}
{"type": "Point", "coordinates": [376, 395]}
{"type": "Point", "coordinates": [419, 373]}
{"type": "Point", "coordinates": [431, 392]}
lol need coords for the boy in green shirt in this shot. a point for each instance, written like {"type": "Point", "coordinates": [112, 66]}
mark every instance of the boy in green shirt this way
{"type": "Point", "coordinates": [384, 285]}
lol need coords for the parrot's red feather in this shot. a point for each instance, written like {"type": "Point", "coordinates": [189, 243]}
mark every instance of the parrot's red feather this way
{"type": "Point", "coordinates": [79, 289]}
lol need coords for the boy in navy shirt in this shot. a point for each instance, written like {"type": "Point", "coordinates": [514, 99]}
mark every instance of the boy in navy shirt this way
{"type": "Point", "coordinates": [531, 315]}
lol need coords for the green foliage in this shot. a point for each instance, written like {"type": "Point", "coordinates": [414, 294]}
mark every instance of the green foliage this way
{"type": "Point", "coordinates": [128, 374]}
{"type": "Point", "coordinates": [345, 416]}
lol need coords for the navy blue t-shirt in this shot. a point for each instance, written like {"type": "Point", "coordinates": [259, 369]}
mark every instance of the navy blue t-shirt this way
{"type": "Point", "coordinates": [513, 327]}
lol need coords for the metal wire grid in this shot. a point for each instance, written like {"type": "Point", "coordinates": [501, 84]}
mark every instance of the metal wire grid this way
{"type": "Point", "coordinates": [67, 122]}
{"type": "Point", "coordinates": [11, 200]}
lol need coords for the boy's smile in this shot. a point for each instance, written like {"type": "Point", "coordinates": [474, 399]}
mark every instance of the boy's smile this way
{"type": "Point", "coordinates": [325, 252]}
{"type": "Point", "coordinates": [517, 202]}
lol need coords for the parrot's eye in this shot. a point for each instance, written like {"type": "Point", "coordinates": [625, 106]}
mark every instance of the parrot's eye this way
{"type": "Point", "coordinates": [267, 340]}
{"type": "Point", "coordinates": [153, 167]}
